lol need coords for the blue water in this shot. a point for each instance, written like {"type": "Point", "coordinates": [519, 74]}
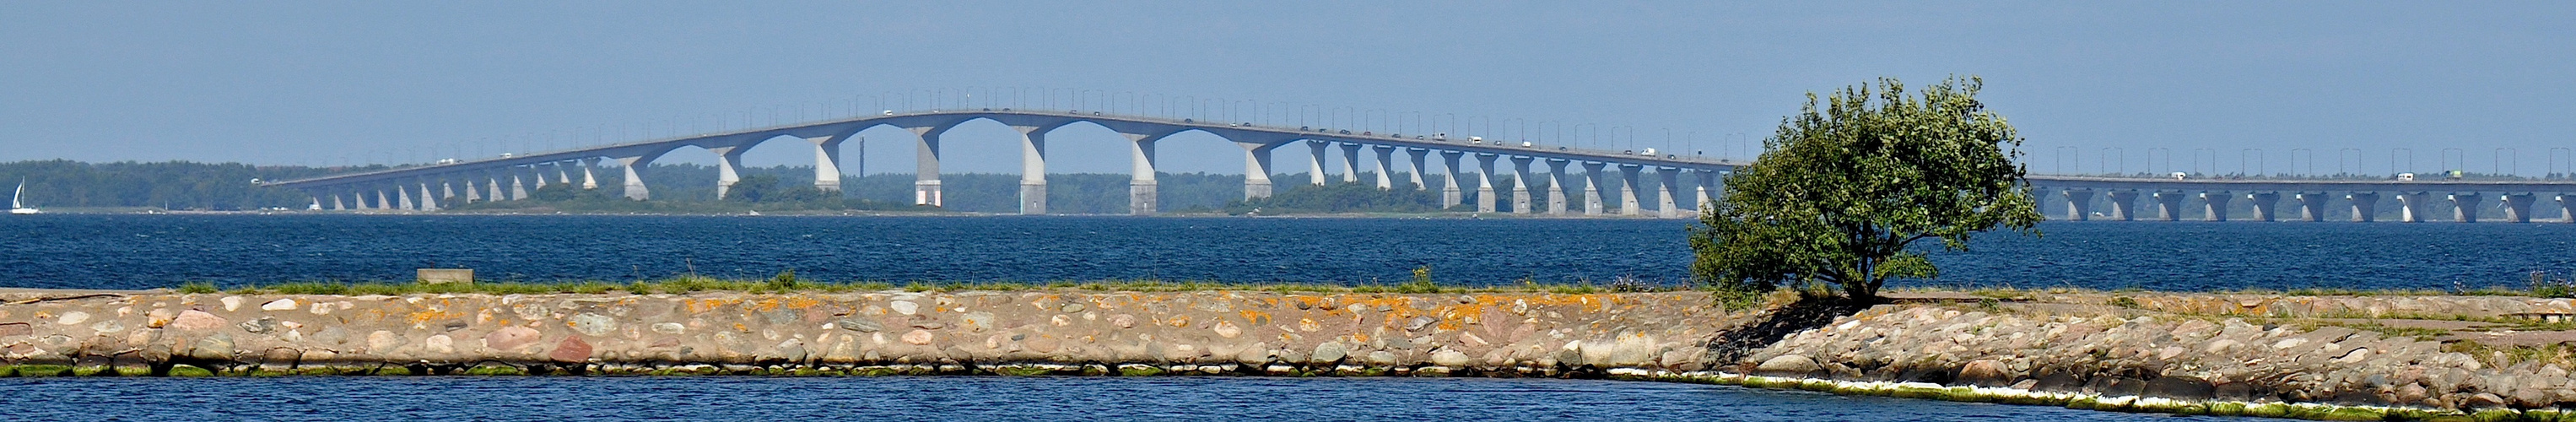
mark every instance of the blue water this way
{"type": "Point", "coordinates": [144, 251]}
{"type": "Point", "coordinates": [971, 398]}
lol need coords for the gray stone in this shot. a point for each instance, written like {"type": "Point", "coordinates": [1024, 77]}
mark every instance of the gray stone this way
{"type": "Point", "coordinates": [593, 324]}
{"type": "Point", "coordinates": [1071, 308]}
{"type": "Point", "coordinates": [1417, 323]}
{"type": "Point", "coordinates": [1329, 352]}
{"type": "Point", "coordinates": [259, 326]}
{"type": "Point", "coordinates": [860, 325]}
{"type": "Point", "coordinates": [1789, 365]}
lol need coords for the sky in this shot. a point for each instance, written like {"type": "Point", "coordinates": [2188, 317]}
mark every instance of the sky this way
{"type": "Point", "coordinates": [2304, 87]}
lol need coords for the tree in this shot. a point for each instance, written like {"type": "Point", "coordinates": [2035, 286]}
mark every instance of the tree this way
{"type": "Point", "coordinates": [1840, 194]}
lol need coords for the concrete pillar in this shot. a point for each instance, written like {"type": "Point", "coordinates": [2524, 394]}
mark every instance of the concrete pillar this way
{"type": "Point", "coordinates": [540, 175]}
{"type": "Point", "coordinates": [1033, 183]}
{"type": "Point", "coordinates": [381, 202]}
{"type": "Point", "coordinates": [1708, 189]}
{"type": "Point", "coordinates": [1143, 195]}
{"type": "Point", "coordinates": [562, 175]}
{"type": "Point", "coordinates": [2411, 206]}
{"type": "Point", "coordinates": [1521, 185]}
{"type": "Point", "coordinates": [1350, 162]}
{"type": "Point", "coordinates": [634, 179]}
{"type": "Point", "coordinates": [336, 204]}
{"type": "Point", "coordinates": [925, 183]}
{"type": "Point", "coordinates": [402, 197]}
{"type": "Point", "coordinates": [827, 163]}
{"type": "Point", "coordinates": [2365, 206]}
{"type": "Point", "coordinates": [446, 189]}
{"type": "Point", "coordinates": [428, 201]}
{"type": "Point", "coordinates": [2517, 207]}
{"type": "Point", "coordinates": [1385, 167]}
{"type": "Point", "coordinates": [1256, 169]}
{"type": "Point", "coordinates": [728, 168]}
{"type": "Point", "coordinates": [1485, 183]}
{"type": "Point", "coordinates": [2566, 208]}
{"type": "Point", "coordinates": [1450, 195]}
{"type": "Point", "coordinates": [1672, 187]}
{"type": "Point", "coordinates": [2215, 204]}
{"type": "Point", "coordinates": [1417, 155]}
{"type": "Point", "coordinates": [1628, 203]}
{"type": "Point", "coordinates": [2124, 205]}
{"type": "Point", "coordinates": [1592, 181]}
{"type": "Point", "coordinates": [492, 180]}
{"type": "Point", "coordinates": [1556, 181]}
{"type": "Point", "coordinates": [2465, 207]}
{"type": "Point", "coordinates": [2079, 204]}
{"type": "Point", "coordinates": [519, 184]}
{"type": "Point", "coordinates": [1316, 174]}
{"type": "Point", "coordinates": [2262, 202]}
{"type": "Point", "coordinates": [471, 195]}
{"type": "Point", "coordinates": [588, 181]}
{"type": "Point", "coordinates": [317, 203]}
{"type": "Point", "coordinates": [2169, 206]}
{"type": "Point", "coordinates": [2312, 206]}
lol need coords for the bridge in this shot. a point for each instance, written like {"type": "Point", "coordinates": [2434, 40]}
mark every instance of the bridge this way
{"type": "Point", "coordinates": [423, 187]}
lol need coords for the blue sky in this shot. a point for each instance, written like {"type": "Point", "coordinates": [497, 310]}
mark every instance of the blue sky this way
{"type": "Point", "coordinates": [2206, 84]}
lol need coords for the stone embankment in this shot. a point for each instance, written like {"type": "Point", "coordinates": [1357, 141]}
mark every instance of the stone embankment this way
{"type": "Point", "coordinates": [2313, 357]}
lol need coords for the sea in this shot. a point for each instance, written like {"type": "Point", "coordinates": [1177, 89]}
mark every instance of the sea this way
{"type": "Point", "coordinates": [154, 251]}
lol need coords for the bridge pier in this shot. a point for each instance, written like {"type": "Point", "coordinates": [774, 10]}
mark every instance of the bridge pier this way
{"type": "Point", "coordinates": [590, 181]}
{"type": "Point", "coordinates": [2216, 205]}
{"type": "Point", "coordinates": [428, 201]}
{"type": "Point", "coordinates": [2411, 206]}
{"type": "Point", "coordinates": [2079, 204]}
{"type": "Point", "coordinates": [1628, 190]}
{"type": "Point", "coordinates": [538, 173]}
{"type": "Point", "coordinates": [471, 196]}
{"type": "Point", "coordinates": [2124, 205]}
{"type": "Point", "coordinates": [2566, 208]}
{"type": "Point", "coordinates": [492, 185]}
{"type": "Point", "coordinates": [1450, 195]}
{"type": "Point", "coordinates": [336, 205]}
{"type": "Point", "coordinates": [1521, 185]}
{"type": "Point", "coordinates": [1256, 169]}
{"type": "Point", "coordinates": [1485, 199]}
{"type": "Point", "coordinates": [2312, 206]}
{"type": "Point", "coordinates": [1033, 183]}
{"type": "Point", "coordinates": [1417, 154]}
{"type": "Point", "coordinates": [447, 189]}
{"type": "Point", "coordinates": [728, 169]}
{"type": "Point", "coordinates": [2169, 206]}
{"type": "Point", "coordinates": [2464, 207]}
{"type": "Point", "coordinates": [562, 175]}
{"type": "Point", "coordinates": [1385, 167]}
{"type": "Point", "coordinates": [1672, 187]}
{"type": "Point", "coordinates": [1708, 189]}
{"type": "Point", "coordinates": [2365, 206]}
{"type": "Point", "coordinates": [380, 203]}
{"type": "Point", "coordinates": [827, 164]}
{"type": "Point", "coordinates": [634, 166]}
{"type": "Point", "coordinates": [1350, 163]}
{"type": "Point", "coordinates": [1592, 177]}
{"type": "Point", "coordinates": [2263, 201]}
{"type": "Point", "coordinates": [2517, 207]}
{"type": "Point", "coordinates": [1556, 186]}
{"type": "Point", "coordinates": [1315, 173]}
{"type": "Point", "coordinates": [1144, 196]}
{"type": "Point", "coordinates": [402, 197]}
{"type": "Point", "coordinates": [519, 184]}
{"type": "Point", "coordinates": [925, 183]}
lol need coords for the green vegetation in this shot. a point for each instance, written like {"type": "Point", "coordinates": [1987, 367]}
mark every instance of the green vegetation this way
{"type": "Point", "coordinates": [176, 185]}
{"type": "Point", "coordinates": [1341, 198]}
{"type": "Point", "coordinates": [1841, 193]}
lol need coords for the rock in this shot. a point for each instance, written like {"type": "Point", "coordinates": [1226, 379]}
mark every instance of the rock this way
{"type": "Point", "coordinates": [2180, 388]}
{"type": "Point", "coordinates": [1227, 329]}
{"type": "Point", "coordinates": [2482, 401]}
{"type": "Point", "coordinates": [196, 320]}
{"type": "Point", "coordinates": [571, 349]}
{"type": "Point", "coordinates": [917, 337]}
{"type": "Point", "coordinates": [260, 326]}
{"type": "Point", "coordinates": [510, 338]}
{"type": "Point", "coordinates": [16, 329]}
{"type": "Point", "coordinates": [219, 347]}
{"type": "Point", "coordinates": [1985, 373]}
{"type": "Point", "coordinates": [979, 321]}
{"type": "Point", "coordinates": [1123, 320]}
{"type": "Point", "coordinates": [1329, 352]}
{"type": "Point", "coordinates": [1451, 358]}
{"type": "Point", "coordinates": [1788, 365]}
{"type": "Point", "coordinates": [675, 328]}
{"type": "Point", "coordinates": [904, 307]}
{"type": "Point", "coordinates": [278, 305]}
{"type": "Point", "coordinates": [593, 324]}
{"type": "Point", "coordinates": [1417, 323]}
{"type": "Point", "coordinates": [1381, 357]}
{"type": "Point", "coordinates": [383, 341]}
{"type": "Point", "coordinates": [231, 303]}
{"type": "Point", "coordinates": [1071, 308]}
{"type": "Point", "coordinates": [72, 318]}
{"type": "Point", "coordinates": [439, 344]}
{"type": "Point", "coordinates": [863, 325]}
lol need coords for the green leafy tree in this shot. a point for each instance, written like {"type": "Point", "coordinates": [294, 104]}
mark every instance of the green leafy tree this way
{"type": "Point", "coordinates": [1841, 193]}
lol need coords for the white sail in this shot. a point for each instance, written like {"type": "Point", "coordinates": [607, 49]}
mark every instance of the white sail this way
{"type": "Point", "coordinates": [22, 191]}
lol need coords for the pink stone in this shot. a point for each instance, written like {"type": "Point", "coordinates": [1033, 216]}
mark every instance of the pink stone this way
{"type": "Point", "coordinates": [196, 320]}
{"type": "Point", "coordinates": [510, 338]}
{"type": "Point", "coordinates": [572, 349]}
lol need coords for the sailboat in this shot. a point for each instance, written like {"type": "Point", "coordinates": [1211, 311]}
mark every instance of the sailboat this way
{"type": "Point", "coordinates": [17, 201]}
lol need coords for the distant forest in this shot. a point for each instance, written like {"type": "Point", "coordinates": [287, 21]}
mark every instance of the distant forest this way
{"type": "Point", "coordinates": [180, 185]}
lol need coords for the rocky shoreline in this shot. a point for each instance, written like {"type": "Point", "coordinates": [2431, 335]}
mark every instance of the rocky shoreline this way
{"type": "Point", "coordinates": [2392, 357]}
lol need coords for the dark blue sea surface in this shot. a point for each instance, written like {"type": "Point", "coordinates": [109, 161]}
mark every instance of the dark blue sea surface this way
{"type": "Point", "coordinates": [145, 251]}
{"type": "Point", "coordinates": [971, 399]}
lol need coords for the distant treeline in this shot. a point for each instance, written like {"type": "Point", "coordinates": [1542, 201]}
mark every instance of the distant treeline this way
{"type": "Point", "coordinates": [180, 185]}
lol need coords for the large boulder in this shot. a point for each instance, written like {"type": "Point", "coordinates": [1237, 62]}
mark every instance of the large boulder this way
{"type": "Point", "coordinates": [1788, 365]}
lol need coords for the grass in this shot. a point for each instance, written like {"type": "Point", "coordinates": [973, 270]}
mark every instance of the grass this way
{"type": "Point", "coordinates": [2500, 356]}
{"type": "Point", "coordinates": [787, 282]}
